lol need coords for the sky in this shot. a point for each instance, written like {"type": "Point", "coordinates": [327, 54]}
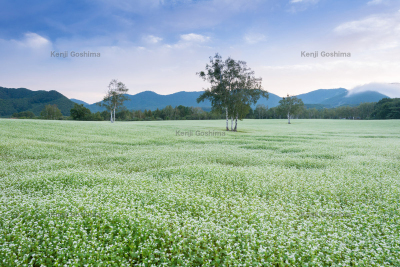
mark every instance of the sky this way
{"type": "Point", "coordinates": [159, 45]}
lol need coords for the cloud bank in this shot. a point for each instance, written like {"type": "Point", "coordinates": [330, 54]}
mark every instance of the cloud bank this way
{"type": "Point", "coordinates": [391, 90]}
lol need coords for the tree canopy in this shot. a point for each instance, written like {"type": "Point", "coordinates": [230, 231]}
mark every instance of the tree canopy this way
{"type": "Point", "coordinates": [51, 112]}
{"type": "Point", "coordinates": [233, 87]}
{"type": "Point", "coordinates": [114, 97]}
{"type": "Point", "coordinates": [79, 112]}
{"type": "Point", "coordinates": [290, 105]}
{"type": "Point", "coordinates": [387, 109]}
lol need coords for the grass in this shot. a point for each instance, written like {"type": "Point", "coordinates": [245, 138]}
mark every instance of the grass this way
{"type": "Point", "coordinates": [314, 193]}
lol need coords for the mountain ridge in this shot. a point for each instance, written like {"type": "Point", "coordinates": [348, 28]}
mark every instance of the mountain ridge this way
{"type": "Point", "coordinates": [14, 100]}
{"type": "Point", "coordinates": [328, 98]}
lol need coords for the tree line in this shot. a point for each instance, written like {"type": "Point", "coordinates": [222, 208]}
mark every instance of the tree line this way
{"type": "Point", "coordinates": [384, 109]}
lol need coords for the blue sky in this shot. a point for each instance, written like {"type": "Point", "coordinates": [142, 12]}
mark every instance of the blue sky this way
{"type": "Point", "coordinates": [159, 45]}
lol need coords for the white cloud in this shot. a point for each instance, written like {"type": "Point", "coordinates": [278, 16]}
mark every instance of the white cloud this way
{"type": "Point", "coordinates": [152, 39]}
{"type": "Point", "coordinates": [31, 45]}
{"type": "Point", "coordinates": [253, 38]}
{"type": "Point", "coordinates": [35, 40]}
{"type": "Point", "coordinates": [376, 32]}
{"type": "Point", "coordinates": [391, 90]}
{"type": "Point", "coordinates": [371, 24]}
{"type": "Point", "coordinates": [31, 40]}
{"type": "Point", "coordinates": [190, 40]}
{"type": "Point", "coordinates": [194, 38]}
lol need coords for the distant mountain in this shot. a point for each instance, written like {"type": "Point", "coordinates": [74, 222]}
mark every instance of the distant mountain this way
{"type": "Point", "coordinates": [321, 95]}
{"type": "Point", "coordinates": [322, 98]}
{"type": "Point", "coordinates": [80, 102]}
{"type": "Point", "coordinates": [346, 99]}
{"type": "Point", "coordinates": [151, 101]}
{"type": "Point", "coordinates": [21, 99]}
{"type": "Point", "coordinates": [273, 101]}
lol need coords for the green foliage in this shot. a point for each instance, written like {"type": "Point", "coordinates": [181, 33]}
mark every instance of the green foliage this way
{"type": "Point", "coordinates": [290, 106]}
{"type": "Point", "coordinates": [218, 93]}
{"type": "Point", "coordinates": [51, 112]}
{"type": "Point", "coordinates": [24, 115]}
{"type": "Point", "coordinates": [260, 112]}
{"type": "Point", "coordinates": [19, 100]}
{"type": "Point", "coordinates": [232, 86]}
{"type": "Point", "coordinates": [363, 111]}
{"type": "Point", "coordinates": [387, 109]}
{"type": "Point", "coordinates": [79, 112]}
{"type": "Point", "coordinates": [115, 97]}
{"type": "Point", "coordinates": [96, 117]}
{"type": "Point", "coordinates": [319, 193]}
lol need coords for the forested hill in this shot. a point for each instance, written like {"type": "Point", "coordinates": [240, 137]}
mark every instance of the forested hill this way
{"type": "Point", "coordinates": [21, 99]}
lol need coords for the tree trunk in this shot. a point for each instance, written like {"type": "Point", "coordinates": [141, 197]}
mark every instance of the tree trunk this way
{"type": "Point", "coordinates": [111, 119]}
{"type": "Point", "coordinates": [231, 123]}
{"type": "Point", "coordinates": [288, 116]}
{"type": "Point", "coordinates": [227, 119]}
{"type": "Point", "coordinates": [114, 114]}
{"type": "Point", "coordinates": [237, 115]}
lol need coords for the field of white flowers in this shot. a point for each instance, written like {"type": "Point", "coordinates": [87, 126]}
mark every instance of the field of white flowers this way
{"type": "Point", "coordinates": [313, 193]}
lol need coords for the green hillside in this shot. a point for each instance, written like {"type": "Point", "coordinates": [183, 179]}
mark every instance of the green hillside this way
{"type": "Point", "coordinates": [17, 100]}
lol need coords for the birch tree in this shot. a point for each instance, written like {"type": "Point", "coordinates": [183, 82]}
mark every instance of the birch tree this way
{"type": "Point", "coordinates": [233, 88]}
{"type": "Point", "coordinates": [290, 106]}
{"type": "Point", "coordinates": [51, 112]}
{"type": "Point", "coordinates": [261, 110]}
{"type": "Point", "coordinates": [244, 90]}
{"type": "Point", "coordinates": [114, 97]}
{"type": "Point", "coordinates": [218, 93]}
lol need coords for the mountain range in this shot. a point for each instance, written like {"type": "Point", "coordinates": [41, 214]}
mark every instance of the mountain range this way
{"type": "Point", "coordinates": [322, 98]}
{"type": "Point", "coordinates": [21, 99]}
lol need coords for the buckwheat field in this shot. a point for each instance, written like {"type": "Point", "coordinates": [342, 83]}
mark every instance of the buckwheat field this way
{"type": "Point", "coordinates": [313, 193]}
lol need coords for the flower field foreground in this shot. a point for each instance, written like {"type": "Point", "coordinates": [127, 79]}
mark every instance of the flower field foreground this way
{"type": "Point", "coordinates": [313, 193]}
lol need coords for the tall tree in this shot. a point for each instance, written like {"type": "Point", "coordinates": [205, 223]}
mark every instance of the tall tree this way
{"type": "Point", "coordinates": [114, 97]}
{"type": "Point", "coordinates": [79, 112]}
{"type": "Point", "coordinates": [245, 89]}
{"type": "Point", "coordinates": [51, 112]}
{"type": "Point", "coordinates": [218, 93]}
{"type": "Point", "coordinates": [261, 111]}
{"type": "Point", "coordinates": [233, 88]}
{"type": "Point", "coordinates": [290, 106]}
